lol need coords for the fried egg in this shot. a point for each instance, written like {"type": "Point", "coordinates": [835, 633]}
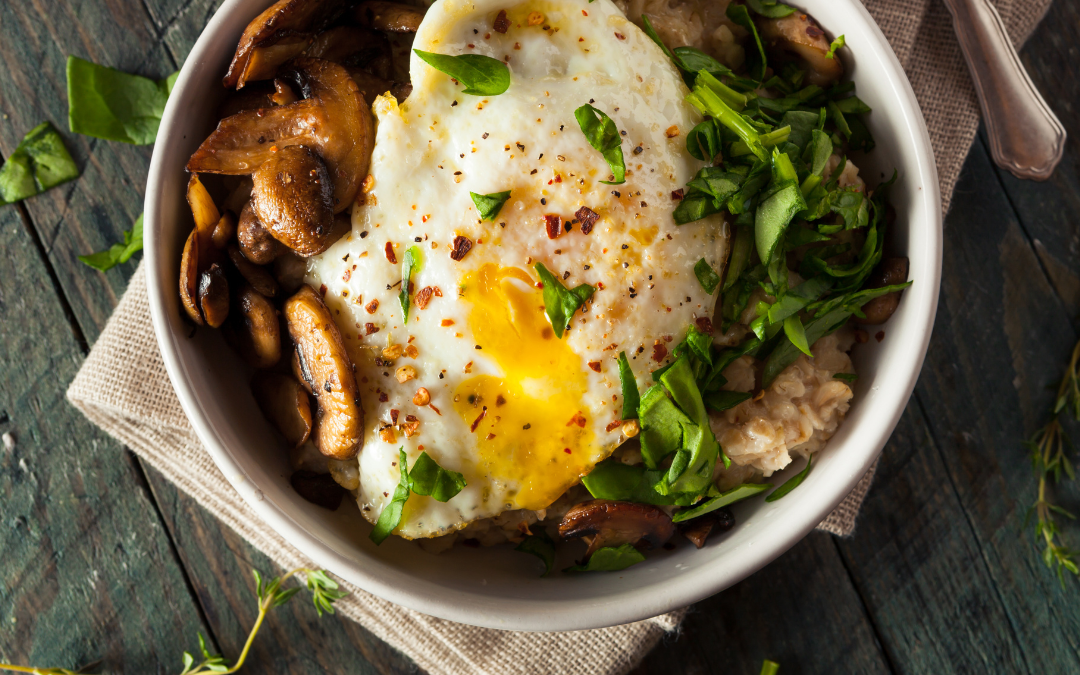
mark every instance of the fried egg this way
{"type": "Point", "coordinates": [521, 413]}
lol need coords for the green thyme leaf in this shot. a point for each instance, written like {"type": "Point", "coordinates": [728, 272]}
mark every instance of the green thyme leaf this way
{"type": "Point", "coordinates": [41, 161]}
{"type": "Point", "coordinates": [117, 106]}
{"type": "Point", "coordinates": [720, 500]}
{"type": "Point", "coordinates": [610, 559]}
{"type": "Point", "coordinates": [481, 75]}
{"type": "Point", "coordinates": [770, 8]}
{"type": "Point", "coordinates": [391, 513]}
{"type": "Point", "coordinates": [540, 545]}
{"type": "Point", "coordinates": [791, 483]}
{"type": "Point", "coordinates": [561, 302]}
{"type": "Point", "coordinates": [117, 253]}
{"type": "Point", "coordinates": [602, 134]}
{"type": "Point", "coordinates": [428, 478]}
{"type": "Point", "coordinates": [631, 399]}
{"type": "Point", "coordinates": [706, 276]}
{"type": "Point", "coordinates": [836, 44]}
{"type": "Point", "coordinates": [410, 264]}
{"type": "Point", "coordinates": [489, 205]}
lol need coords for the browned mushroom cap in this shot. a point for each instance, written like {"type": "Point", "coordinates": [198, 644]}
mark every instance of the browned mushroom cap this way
{"type": "Point", "coordinates": [318, 488]}
{"type": "Point", "coordinates": [293, 198]}
{"type": "Point", "coordinates": [224, 231]}
{"type": "Point", "coordinates": [391, 17]}
{"type": "Point", "coordinates": [616, 523]}
{"type": "Point", "coordinates": [252, 97]}
{"type": "Point", "coordinates": [889, 272]}
{"type": "Point", "coordinates": [256, 331]}
{"type": "Point", "coordinates": [189, 278]}
{"type": "Point", "coordinates": [281, 32]}
{"type": "Point", "coordinates": [214, 296]}
{"type": "Point", "coordinates": [259, 278]}
{"type": "Point", "coordinates": [339, 425]}
{"type": "Point", "coordinates": [206, 216]}
{"type": "Point", "coordinates": [285, 403]}
{"type": "Point", "coordinates": [699, 529]}
{"type": "Point", "coordinates": [401, 90]}
{"type": "Point", "coordinates": [333, 120]}
{"type": "Point", "coordinates": [800, 35]}
{"type": "Point", "coordinates": [301, 374]}
{"type": "Point", "coordinates": [256, 242]}
{"type": "Point", "coordinates": [371, 86]}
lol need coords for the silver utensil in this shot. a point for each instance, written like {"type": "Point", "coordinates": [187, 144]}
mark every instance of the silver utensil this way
{"type": "Point", "coordinates": [1025, 137]}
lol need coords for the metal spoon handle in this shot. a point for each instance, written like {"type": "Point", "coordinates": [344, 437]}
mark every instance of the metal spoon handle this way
{"type": "Point", "coordinates": [1025, 136]}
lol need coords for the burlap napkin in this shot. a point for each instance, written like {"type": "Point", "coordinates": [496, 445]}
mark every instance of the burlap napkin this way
{"type": "Point", "coordinates": [123, 388]}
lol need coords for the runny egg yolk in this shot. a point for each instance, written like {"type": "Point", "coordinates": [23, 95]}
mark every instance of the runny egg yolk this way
{"type": "Point", "coordinates": [528, 422]}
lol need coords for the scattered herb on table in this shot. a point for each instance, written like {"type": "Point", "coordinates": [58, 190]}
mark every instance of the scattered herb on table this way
{"type": "Point", "coordinates": [117, 253]}
{"type": "Point", "coordinates": [111, 104]}
{"type": "Point", "coordinates": [41, 161]}
{"type": "Point", "coordinates": [481, 75]}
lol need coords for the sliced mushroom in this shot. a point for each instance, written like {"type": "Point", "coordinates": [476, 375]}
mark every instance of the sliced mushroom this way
{"type": "Point", "coordinates": [401, 90]}
{"type": "Point", "coordinates": [256, 242]}
{"type": "Point", "coordinates": [255, 96]}
{"type": "Point", "coordinates": [289, 270]}
{"type": "Point", "coordinates": [293, 198]}
{"type": "Point", "coordinates": [281, 32]}
{"type": "Point", "coordinates": [349, 46]}
{"type": "Point", "coordinates": [612, 523]}
{"type": "Point", "coordinates": [800, 35]}
{"type": "Point", "coordinates": [214, 296]}
{"type": "Point", "coordinates": [371, 86]}
{"type": "Point", "coordinates": [206, 216]}
{"type": "Point", "coordinates": [285, 403]}
{"type": "Point", "coordinates": [318, 488]}
{"type": "Point", "coordinates": [302, 374]}
{"type": "Point", "coordinates": [189, 278]}
{"type": "Point", "coordinates": [889, 271]}
{"type": "Point", "coordinates": [256, 331]}
{"type": "Point", "coordinates": [698, 529]}
{"type": "Point", "coordinates": [332, 119]}
{"type": "Point", "coordinates": [259, 278]}
{"type": "Point", "coordinates": [339, 424]}
{"type": "Point", "coordinates": [391, 17]}
{"type": "Point", "coordinates": [224, 231]}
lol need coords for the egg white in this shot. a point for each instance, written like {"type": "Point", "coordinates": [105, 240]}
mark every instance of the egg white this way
{"type": "Point", "coordinates": [434, 149]}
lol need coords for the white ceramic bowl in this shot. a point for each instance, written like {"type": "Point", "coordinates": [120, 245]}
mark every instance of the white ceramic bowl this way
{"type": "Point", "coordinates": [498, 587]}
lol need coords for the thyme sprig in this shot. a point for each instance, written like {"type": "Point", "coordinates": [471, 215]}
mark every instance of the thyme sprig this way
{"type": "Point", "coordinates": [1049, 449]}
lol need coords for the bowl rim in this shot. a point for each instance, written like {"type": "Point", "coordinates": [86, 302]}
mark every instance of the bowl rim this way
{"type": "Point", "coordinates": [517, 613]}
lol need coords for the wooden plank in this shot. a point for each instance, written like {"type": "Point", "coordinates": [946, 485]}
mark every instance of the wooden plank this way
{"type": "Point", "coordinates": [801, 611]}
{"type": "Point", "coordinates": [88, 572]}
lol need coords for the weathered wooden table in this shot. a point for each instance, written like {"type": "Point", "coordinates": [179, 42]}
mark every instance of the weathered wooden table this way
{"type": "Point", "coordinates": [101, 558]}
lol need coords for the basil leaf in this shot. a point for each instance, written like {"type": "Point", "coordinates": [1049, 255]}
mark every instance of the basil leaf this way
{"type": "Point", "coordinates": [560, 303]}
{"type": "Point", "coordinates": [791, 483]}
{"type": "Point", "coordinates": [740, 255]}
{"type": "Point", "coordinates": [428, 478]}
{"type": "Point", "coordinates": [802, 126]}
{"type": "Point", "coordinates": [755, 61]}
{"type": "Point", "coordinates": [798, 298]}
{"type": "Point", "coordinates": [117, 106]}
{"type": "Point", "coordinates": [541, 546]}
{"type": "Point", "coordinates": [837, 116]}
{"type": "Point", "coordinates": [662, 425]}
{"type": "Point", "coordinates": [410, 264]}
{"type": "Point", "coordinates": [41, 161]}
{"type": "Point", "coordinates": [722, 400]}
{"type": "Point", "coordinates": [836, 44]}
{"type": "Point", "coordinates": [692, 468]}
{"type": "Point", "coordinates": [796, 332]}
{"type": "Point", "coordinates": [630, 397]}
{"type": "Point", "coordinates": [717, 183]}
{"type": "Point", "coordinates": [481, 75]}
{"type": "Point", "coordinates": [861, 138]}
{"type": "Point", "coordinates": [852, 105]}
{"type": "Point", "coordinates": [695, 205]}
{"type": "Point", "coordinates": [703, 141]}
{"type": "Point", "coordinates": [850, 378]}
{"type": "Point", "coordinates": [611, 479]}
{"type": "Point", "coordinates": [706, 276]}
{"type": "Point", "coordinates": [735, 494]}
{"type": "Point", "coordinates": [489, 205]}
{"type": "Point", "coordinates": [391, 513]}
{"type": "Point", "coordinates": [852, 207]}
{"type": "Point", "coordinates": [610, 559]}
{"type": "Point", "coordinates": [772, 10]}
{"type": "Point", "coordinates": [786, 353]}
{"type": "Point", "coordinates": [818, 151]}
{"type": "Point", "coordinates": [707, 97]}
{"type": "Point", "coordinates": [694, 61]}
{"type": "Point", "coordinates": [602, 134]}
{"type": "Point", "coordinates": [776, 211]}
{"type": "Point", "coordinates": [755, 180]}
{"type": "Point", "coordinates": [117, 253]}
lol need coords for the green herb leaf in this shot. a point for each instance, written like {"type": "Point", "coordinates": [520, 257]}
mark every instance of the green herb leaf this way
{"type": "Point", "coordinates": [755, 60]}
{"type": "Point", "coordinates": [610, 559]}
{"type": "Point", "coordinates": [41, 161]}
{"type": "Point", "coordinates": [411, 263]}
{"type": "Point", "coordinates": [791, 483]}
{"type": "Point", "coordinates": [796, 332]}
{"type": "Point", "coordinates": [769, 667]}
{"type": "Point", "coordinates": [481, 75]}
{"type": "Point", "coordinates": [722, 400]}
{"type": "Point", "coordinates": [772, 10]}
{"type": "Point", "coordinates": [735, 494]}
{"type": "Point", "coordinates": [541, 546]}
{"type": "Point", "coordinates": [786, 353]}
{"type": "Point", "coordinates": [717, 183]}
{"type": "Point", "coordinates": [708, 97]}
{"type": "Point", "coordinates": [703, 141]}
{"type": "Point", "coordinates": [391, 513]}
{"type": "Point", "coordinates": [560, 303]}
{"type": "Point", "coordinates": [694, 206]}
{"type": "Point", "coordinates": [428, 478]}
{"type": "Point", "coordinates": [117, 253]}
{"type": "Point", "coordinates": [850, 378]}
{"type": "Point", "coordinates": [662, 425]}
{"type": "Point", "coordinates": [706, 276]}
{"type": "Point", "coordinates": [692, 468]}
{"type": "Point", "coordinates": [631, 399]}
{"type": "Point", "coordinates": [117, 106]}
{"type": "Point", "coordinates": [836, 44]}
{"type": "Point", "coordinates": [489, 205]}
{"type": "Point", "coordinates": [602, 134]}
{"type": "Point", "coordinates": [611, 479]}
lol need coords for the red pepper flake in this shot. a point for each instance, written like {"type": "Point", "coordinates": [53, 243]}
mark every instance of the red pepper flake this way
{"type": "Point", "coordinates": [880, 336]}
{"type": "Point", "coordinates": [614, 425]}
{"type": "Point", "coordinates": [502, 22]}
{"type": "Point", "coordinates": [370, 328]}
{"type": "Point", "coordinates": [432, 406]}
{"type": "Point", "coordinates": [447, 322]}
{"type": "Point", "coordinates": [394, 412]}
{"type": "Point", "coordinates": [610, 347]}
{"type": "Point", "coordinates": [553, 225]}
{"type": "Point", "coordinates": [595, 365]}
{"type": "Point", "coordinates": [346, 275]}
{"type": "Point", "coordinates": [659, 351]}
{"type": "Point", "coordinates": [567, 450]}
{"type": "Point", "coordinates": [583, 13]}
{"type": "Point", "coordinates": [588, 219]}
{"type": "Point", "coordinates": [390, 253]}
{"type": "Point", "coordinates": [577, 419]}
{"type": "Point", "coordinates": [322, 290]}
{"type": "Point", "coordinates": [476, 422]}
{"type": "Point", "coordinates": [383, 398]}
{"type": "Point", "coordinates": [372, 307]}
{"type": "Point", "coordinates": [462, 245]}
{"type": "Point", "coordinates": [704, 324]}
{"type": "Point", "coordinates": [677, 194]}
{"type": "Point", "coordinates": [620, 35]}
{"type": "Point", "coordinates": [423, 296]}
{"type": "Point", "coordinates": [558, 179]}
